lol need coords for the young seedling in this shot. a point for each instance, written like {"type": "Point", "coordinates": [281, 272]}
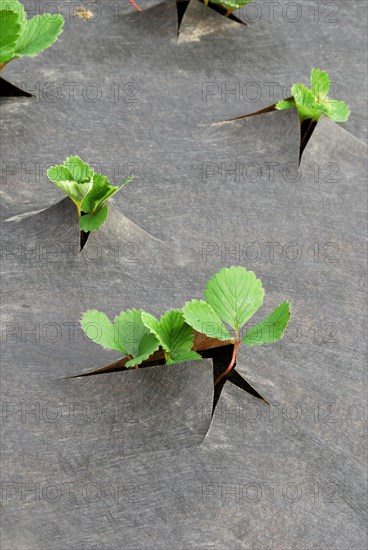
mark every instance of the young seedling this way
{"type": "Point", "coordinates": [230, 5]}
{"type": "Point", "coordinates": [174, 335]}
{"type": "Point", "coordinates": [127, 334]}
{"type": "Point", "coordinates": [138, 335]}
{"type": "Point", "coordinates": [314, 102]}
{"type": "Point", "coordinates": [22, 37]}
{"type": "Point", "coordinates": [89, 191]}
{"type": "Point", "coordinates": [233, 295]}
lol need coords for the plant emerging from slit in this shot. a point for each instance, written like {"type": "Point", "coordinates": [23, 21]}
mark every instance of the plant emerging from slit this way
{"type": "Point", "coordinates": [138, 335]}
{"type": "Point", "coordinates": [22, 37]}
{"type": "Point", "coordinates": [88, 190]}
{"type": "Point", "coordinates": [230, 5]}
{"type": "Point", "coordinates": [314, 102]}
{"type": "Point", "coordinates": [233, 295]}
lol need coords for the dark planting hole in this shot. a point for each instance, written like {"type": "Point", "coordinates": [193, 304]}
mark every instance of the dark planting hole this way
{"type": "Point", "coordinates": [306, 130]}
{"type": "Point", "coordinates": [7, 89]}
{"type": "Point", "coordinates": [307, 127]}
{"type": "Point", "coordinates": [221, 358]}
{"type": "Point", "coordinates": [83, 235]}
{"type": "Point", "coordinates": [269, 109]}
{"type": "Point", "coordinates": [181, 6]}
{"type": "Point", "coordinates": [83, 238]}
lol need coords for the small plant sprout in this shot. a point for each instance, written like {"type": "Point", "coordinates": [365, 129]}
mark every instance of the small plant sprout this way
{"type": "Point", "coordinates": [233, 295]}
{"type": "Point", "coordinates": [22, 37]}
{"type": "Point", "coordinates": [89, 191]}
{"type": "Point", "coordinates": [314, 102]}
{"type": "Point", "coordinates": [230, 5]}
{"type": "Point", "coordinates": [174, 335]}
{"type": "Point", "coordinates": [127, 334]}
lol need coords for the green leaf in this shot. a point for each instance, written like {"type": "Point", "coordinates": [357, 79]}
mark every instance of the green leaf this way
{"type": "Point", "coordinates": [152, 324]}
{"type": "Point", "coordinates": [101, 191]}
{"type": "Point", "coordinates": [185, 355]}
{"type": "Point", "coordinates": [113, 189]}
{"type": "Point", "coordinates": [305, 102]}
{"type": "Point", "coordinates": [337, 110]}
{"type": "Point", "coordinates": [38, 34]}
{"type": "Point", "coordinates": [80, 171]}
{"type": "Point", "coordinates": [16, 7]}
{"type": "Point", "coordinates": [235, 294]}
{"type": "Point", "coordinates": [200, 315]}
{"type": "Point", "coordinates": [284, 104]}
{"type": "Point", "coordinates": [9, 33]}
{"type": "Point", "coordinates": [303, 95]}
{"type": "Point", "coordinates": [131, 329]}
{"type": "Point", "coordinates": [147, 346]}
{"type": "Point", "coordinates": [100, 330]}
{"type": "Point", "coordinates": [313, 103]}
{"type": "Point", "coordinates": [101, 186]}
{"type": "Point", "coordinates": [59, 173]}
{"type": "Point", "coordinates": [127, 335]}
{"type": "Point", "coordinates": [174, 335]}
{"type": "Point", "coordinates": [76, 191]}
{"type": "Point", "coordinates": [64, 176]}
{"type": "Point", "coordinates": [270, 329]}
{"type": "Point", "coordinates": [92, 222]}
{"type": "Point", "coordinates": [320, 83]}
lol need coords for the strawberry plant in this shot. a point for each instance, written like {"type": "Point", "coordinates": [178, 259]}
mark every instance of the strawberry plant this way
{"type": "Point", "coordinates": [230, 5]}
{"type": "Point", "coordinates": [314, 102]}
{"type": "Point", "coordinates": [22, 37]}
{"type": "Point", "coordinates": [233, 295]}
{"type": "Point", "coordinates": [138, 335]}
{"type": "Point", "coordinates": [89, 191]}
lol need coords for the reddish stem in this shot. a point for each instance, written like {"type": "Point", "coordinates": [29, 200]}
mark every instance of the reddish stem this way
{"type": "Point", "coordinates": [135, 5]}
{"type": "Point", "coordinates": [232, 363]}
